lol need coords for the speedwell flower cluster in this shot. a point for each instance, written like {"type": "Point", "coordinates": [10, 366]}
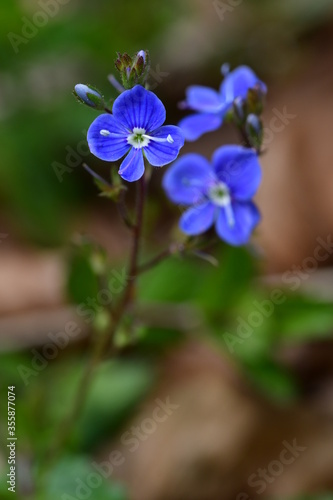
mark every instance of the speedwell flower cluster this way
{"type": "Point", "coordinates": [217, 193]}
{"type": "Point", "coordinates": [220, 193]}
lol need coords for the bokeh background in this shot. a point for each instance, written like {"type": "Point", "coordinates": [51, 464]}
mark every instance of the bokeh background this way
{"type": "Point", "coordinates": [239, 399]}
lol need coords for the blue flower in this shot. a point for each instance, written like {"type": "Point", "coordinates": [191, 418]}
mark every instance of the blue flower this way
{"type": "Point", "coordinates": [219, 193]}
{"type": "Point", "coordinates": [211, 106]}
{"type": "Point", "coordinates": [134, 129]}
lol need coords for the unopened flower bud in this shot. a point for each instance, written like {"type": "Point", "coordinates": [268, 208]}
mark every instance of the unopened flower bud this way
{"type": "Point", "coordinates": [89, 96]}
{"type": "Point", "coordinates": [134, 70]}
{"type": "Point", "coordinates": [256, 98]}
{"type": "Point", "coordinates": [123, 61]}
{"type": "Point", "coordinates": [254, 130]}
{"type": "Point", "coordinates": [142, 54]}
{"type": "Point", "coordinates": [239, 106]}
{"type": "Point", "coordinates": [118, 64]}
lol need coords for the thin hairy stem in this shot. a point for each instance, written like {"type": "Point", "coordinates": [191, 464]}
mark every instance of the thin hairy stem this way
{"type": "Point", "coordinates": [104, 341]}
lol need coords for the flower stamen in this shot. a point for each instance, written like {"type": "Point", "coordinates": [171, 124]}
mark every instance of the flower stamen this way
{"type": "Point", "coordinates": [169, 139]}
{"type": "Point", "coordinates": [105, 133]}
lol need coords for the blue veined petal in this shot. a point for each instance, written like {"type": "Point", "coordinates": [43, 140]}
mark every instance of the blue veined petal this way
{"type": "Point", "coordinates": [203, 99]}
{"type": "Point", "coordinates": [198, 219]}
{"type": "Point", "coordinates": [132, 167]}
{"type": "Point", "coordinates": [139, 108]}
{"type": "Point", "coordinates": [239, 168]}
{"type": "Point", "coordinates": [238, 82]}
{"type": "Point", "coordinates": [245, 216]}
{"type": "Point", "coordinates": [164, 145]}
{"type": "Point", "coordinates": [107, 147]}
{"type": "Point", "coordinates": [188, 179]}
{"type": "Point", "coordinates": [194, 126]}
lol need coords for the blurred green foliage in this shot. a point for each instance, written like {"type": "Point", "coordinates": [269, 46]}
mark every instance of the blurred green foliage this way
{"type": "Point", "coordinates": [46, 401]}
{"type": "Point", "coordinates": [222, 295]}
{"type": "Point", "coordinates": [39, 114]}
{"type": "Point", "coordinates": [70, 477]}
{"type": "Point", "coordinates": [229, 294]}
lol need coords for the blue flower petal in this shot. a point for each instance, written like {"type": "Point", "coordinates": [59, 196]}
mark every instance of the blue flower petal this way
{"type": "Point", "coordinates": [110, 147]}
{"type": "Point", "coordinates": [132, 167]}
{"type": "Point", "coordinates": [161, 153]}
{"type": "Point", "coordinates": [239, 168]}
{"type": "Point", "coordinates": [238, 82]}
{"type": "Point", "coordinates": [196, 125]}
{"type": "Point", "coordinates": [245, 215]}
{"type": "Point", "coordinates": [198, 219]}
{"type": "Point", "coordinates": [188, 179]}
{"type": "Point", "coordinates": [139, 108]}
{"type": "Point", "coordinates": [203, 99]}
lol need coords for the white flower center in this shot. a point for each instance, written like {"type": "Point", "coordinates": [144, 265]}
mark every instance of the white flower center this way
{"type": "Point", "coordinates": [139, 139]}
{"type": "Point", "coordinates": [219, 194]}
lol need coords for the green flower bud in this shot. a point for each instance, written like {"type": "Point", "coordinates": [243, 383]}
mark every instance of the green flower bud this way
{"type": "Point", "coordinates": [133, 70]}
{"type": "Point", "coordinates": [256, 100]}
{"type": "Point", "coordinates": [89, 96]}
{"type": "Point", "coordinates": [239, 107]}
{"type": "Point", "coordinates": [254, 130]}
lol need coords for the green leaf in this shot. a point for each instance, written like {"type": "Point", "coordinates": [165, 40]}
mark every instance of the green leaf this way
{"type": "Point", "coordinates": [272, 380]}
{"type": "Point", "coordinates": [301, 318]}
{"type": "Point", "coordinates": [222, 288]}
{"type": "Point", "coordinates": [115, 389]}
{"type": "Point", "coordinates": [72, 477]}
{"type": "Point", "coordinates": [82, 276]}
